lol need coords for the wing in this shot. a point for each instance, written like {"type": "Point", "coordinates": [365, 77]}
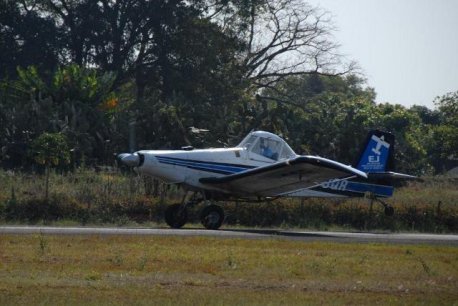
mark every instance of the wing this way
{"type": "Point", "coordinates": [282, 177]}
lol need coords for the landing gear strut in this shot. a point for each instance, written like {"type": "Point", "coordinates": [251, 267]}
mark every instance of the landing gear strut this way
{"type": "Point", "coordinates": [389, 210]}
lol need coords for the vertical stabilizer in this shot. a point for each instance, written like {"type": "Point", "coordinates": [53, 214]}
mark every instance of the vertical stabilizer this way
{"type": "Point", "coordinates": [378, 153]}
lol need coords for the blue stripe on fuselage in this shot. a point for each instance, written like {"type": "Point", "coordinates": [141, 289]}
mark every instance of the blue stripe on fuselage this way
{"type": "Point", "coordinates": [222, 168]}
{"type": "Point", "coordinates": [380, 190]}
{"type": "Point", "coordinates": [352, 188]}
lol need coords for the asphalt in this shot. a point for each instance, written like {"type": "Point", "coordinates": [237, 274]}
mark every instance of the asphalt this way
{"type": "Point", "coordinates": [306, 236]}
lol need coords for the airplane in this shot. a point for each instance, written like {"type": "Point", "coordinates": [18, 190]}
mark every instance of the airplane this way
{"type": "Point", "coordinates": [263, 167]}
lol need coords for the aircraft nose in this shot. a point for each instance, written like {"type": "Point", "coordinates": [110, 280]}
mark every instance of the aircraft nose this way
{"type": "Point", "coordinates": [130, 159]}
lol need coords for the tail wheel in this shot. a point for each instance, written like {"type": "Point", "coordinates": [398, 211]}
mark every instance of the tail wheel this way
{"type": "Point", "coordinates": [212, 217]}
{"type": "Point", "coordinates": [389, 211]}
{"type": "Point", "coordinates": [176, 216]}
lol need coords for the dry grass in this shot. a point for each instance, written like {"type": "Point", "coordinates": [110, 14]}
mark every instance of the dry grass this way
{"type": "Point", "coordinates": [37, 269]}
{"type": "Point", "coordinates": [88, 197]}
{"type": "Point", "coordinates": [87, 186]}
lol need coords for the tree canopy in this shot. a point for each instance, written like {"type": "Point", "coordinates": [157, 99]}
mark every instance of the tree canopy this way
{"type": "Point", "coordinates": [115, 74]}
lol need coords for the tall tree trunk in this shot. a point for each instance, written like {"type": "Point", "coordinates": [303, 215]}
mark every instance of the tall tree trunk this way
{"type": "Point", "coordinates": [47, 183]}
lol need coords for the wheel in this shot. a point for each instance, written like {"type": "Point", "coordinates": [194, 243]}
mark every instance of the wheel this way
{"type": "Point", "coordinates": [212, 217]}
{"type": "Point", "coordinates": [176, 216]}
{"type": "Point", "coordinates": [389, 211]}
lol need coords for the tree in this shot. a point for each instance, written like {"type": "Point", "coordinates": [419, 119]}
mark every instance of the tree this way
{"type": "Point", "coordinates": [428, 116]}
{"type": "Point", "coordinates": [75, 101]}
{"type": "Point", "coordinates": [410, 151]}
{"type": "Point", "coordinates": [26, 38]}
{"type": "Point", "coordinates": [50, 150]}
{"type": "Point", "coordinates": [331, 115]}
{"type": "Point", "coordinates": [205, 86]}
{"type": "Point", "coordinates": [443, 144]}
{"type": "Point", "coordinates": [282, 38]}
{"type": "Point", "coordinates": [320, 114]}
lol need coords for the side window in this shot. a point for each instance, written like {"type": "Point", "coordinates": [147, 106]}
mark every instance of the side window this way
{"type": "Point", "coordinates": [249, 142]}
{"type": "Point", "coordinates": [257, 148]}
{"type": "Point", "coordinates": [286, 153]}
{"type": "Point", "coordinates": [268, 148]}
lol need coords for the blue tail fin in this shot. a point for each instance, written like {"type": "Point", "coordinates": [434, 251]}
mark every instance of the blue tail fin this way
{"type": "Point", "coordinates": [378, 153]}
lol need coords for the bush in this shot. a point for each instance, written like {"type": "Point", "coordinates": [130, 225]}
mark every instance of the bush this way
{"type": "Point", "coordinates": [34, 210]}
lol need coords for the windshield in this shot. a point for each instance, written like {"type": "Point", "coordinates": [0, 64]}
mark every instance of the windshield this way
{"type": "Point", "coordinates": [268, 145]}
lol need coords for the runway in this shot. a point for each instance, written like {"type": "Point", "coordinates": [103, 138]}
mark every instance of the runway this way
{"type": "Point", "coordinates": [306, 236]}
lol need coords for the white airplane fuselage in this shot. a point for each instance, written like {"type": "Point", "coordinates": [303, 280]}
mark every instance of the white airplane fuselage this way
{"type": "Point", "coordinates": [186, 167]}
{"type": "Point", "coordinates": [276, 170]}
{"type": "Point", "coordinates": [263, 166]}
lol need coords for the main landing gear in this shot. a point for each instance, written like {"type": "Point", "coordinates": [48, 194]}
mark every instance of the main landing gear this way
{"type": "Point", "coordinates": [211, 216]}
{"type": "Point", "coordinates": [176, 215]}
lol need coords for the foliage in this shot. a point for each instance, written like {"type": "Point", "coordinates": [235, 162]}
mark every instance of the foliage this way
{"type": "Point", "coordinates": [443, 145]}
{"type": "Point", "coordinates": [26, 38]}
{"type": "Point", "coordinates": [50, 150]}
{"type": "Point", "coordinates": [123, 75]}
{"type": "Point", "coordinates": [74, 101]}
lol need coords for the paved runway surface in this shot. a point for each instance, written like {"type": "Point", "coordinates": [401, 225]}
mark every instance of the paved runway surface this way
{"type": "Point", "coordinates": [243, 234]}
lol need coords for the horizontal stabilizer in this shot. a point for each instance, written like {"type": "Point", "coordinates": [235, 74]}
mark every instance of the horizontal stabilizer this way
{"type": "Point", "coordinates": [390, 175]}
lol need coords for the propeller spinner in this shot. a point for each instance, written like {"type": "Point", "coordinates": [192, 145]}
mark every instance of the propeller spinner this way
{"type": "Point", "coordinates": [131, 159]}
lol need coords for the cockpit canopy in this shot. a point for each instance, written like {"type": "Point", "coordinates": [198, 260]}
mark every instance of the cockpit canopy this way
{"type": "Point", "coordinates": [268, 145]}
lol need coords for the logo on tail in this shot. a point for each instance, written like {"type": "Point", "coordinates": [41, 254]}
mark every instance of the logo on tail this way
{"type": "Point", "coordinates": [377, 153]}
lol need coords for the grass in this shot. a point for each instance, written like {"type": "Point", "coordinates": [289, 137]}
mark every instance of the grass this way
{"type": "Point", "coordinates": [89, 187]}
{"type": "Point", "coordinates": [65, 270]}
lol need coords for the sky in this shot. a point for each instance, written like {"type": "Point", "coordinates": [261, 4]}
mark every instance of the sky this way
{"type": "Point", "coordinates": [407, 49]}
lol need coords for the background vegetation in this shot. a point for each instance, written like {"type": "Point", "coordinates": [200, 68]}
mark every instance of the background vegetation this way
{"type": "Point", "coordinates": [114, 76]}
{"type": "Point", "coordinates": [86, 197]}
{"type": "Point", "coordinates": [104, 77]}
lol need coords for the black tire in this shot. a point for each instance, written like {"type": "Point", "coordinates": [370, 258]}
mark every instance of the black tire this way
{"type": "Point", "coordinates": [389, 211]}
{"type": "Point", "coordinates": [176, 216]}
{"type": "Point", "coordinates": [212, 217]}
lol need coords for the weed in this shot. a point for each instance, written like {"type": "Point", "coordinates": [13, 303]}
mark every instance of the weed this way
{"type": "Point", "coordinates": [142, 263]}
{"type": "Point", "coordinates": [230, 261]}
{"type": "Point", "coordinates": [122, 220]}
{"type": "Point", "coordinates": [426, 268]}
{"type": "Point", "coordinates": [117, 260]}
{"type": "Point", "coordinates": [43, 244]}
{"type": "Point", "coordinates": [93, 276]}
{"type": "Point", "coordinates": [363, 259]}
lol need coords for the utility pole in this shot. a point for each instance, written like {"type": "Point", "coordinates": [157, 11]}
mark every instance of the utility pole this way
{"type": "Point", "coordinates": [132, 136]}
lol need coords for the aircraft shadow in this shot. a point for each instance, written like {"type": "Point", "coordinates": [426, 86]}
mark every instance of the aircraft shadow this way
{"type": "Point", "coordinates": [281, 233]}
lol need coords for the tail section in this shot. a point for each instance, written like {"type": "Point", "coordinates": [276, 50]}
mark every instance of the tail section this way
{"type": "Point", "coordinates": [377, 161]}
{"type": "Point", "coordinates": [377, 154]}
